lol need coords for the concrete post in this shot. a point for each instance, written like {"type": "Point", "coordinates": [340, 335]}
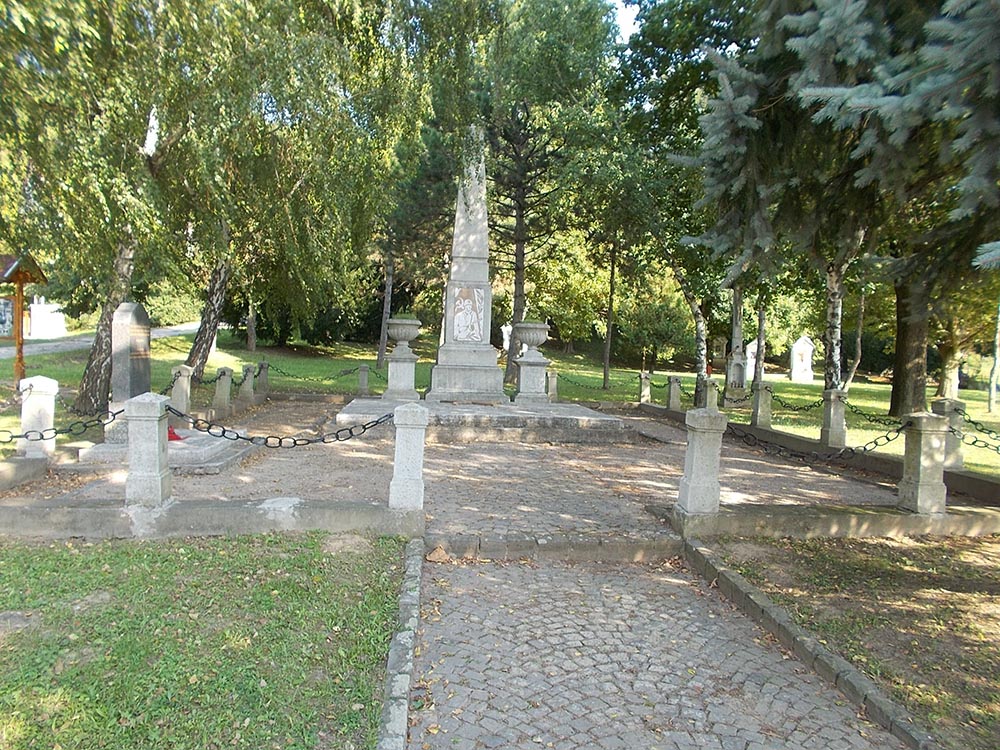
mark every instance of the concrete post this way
{"type": "Point", "coordinates": [221, 405]}
{"type": "Point", "coordinates": [245, 395]}
{"type": "Point", "coordinates": [263, 386]}
{"type": "Point", "coordinates": [644, 392]}
{"type": "Point", "coordinates": [699, 487]}
{"type": "Point", "coordinates": [674, 393]}
{"type": "Point", "coordinates": [402, 376]}
{"type": "Point", "coordinates": [949, 408]}
{"type": "Point", "coordinates": [38, 412]}
{"type": "Point", "coordinates": [363, 380]}
{"type": "Point", "coordinates": [833, 433]}
{"type": "Point", "coordinates": [149, 481]}
{"type": "Point", "coordinates": [922, 489]}
{"type": "Point", "coordinates": [180, 394]}
{"type": "Point", "coordinates": [406, 490]}
{"type": "Point", "coordinates": [553, 383]}
{"type": "Point", "coordinates": [761, 414]}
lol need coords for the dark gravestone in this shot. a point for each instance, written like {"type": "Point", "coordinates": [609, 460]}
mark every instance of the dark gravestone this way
{"type": "Point", "coordinates": [129, 352]}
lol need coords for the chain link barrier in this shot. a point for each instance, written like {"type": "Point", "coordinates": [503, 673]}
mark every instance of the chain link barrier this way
{"type": "Point", "coordinates": [335, 378]}
{"type": "Point", "coordinates": [977, 426]}
{"type": "Point", "coordinates": [563, 378]}
{"type": "Point", "coordinates": [685, 391]}
{"type": "Point", "coordinates": [793, 407]}
{"type": "Point", "coordinates": [76, 429]}
{"type": "Point", "coordinates": [814, 457]}
{"type": "Point", "coordinates": [170, 385]}
{"type": "Point", "coordinates": [737, 401]}
{"type": "Point", "coordinates": [205, 381]}
{"type": "Point", "coordinates": [974, 441]}
{"type": "Point", "coordinates": [16, 398]}
{"type": "Point", "coordinates": [279, 441]}
{"type": "Point", "coordinates": [872, 418]}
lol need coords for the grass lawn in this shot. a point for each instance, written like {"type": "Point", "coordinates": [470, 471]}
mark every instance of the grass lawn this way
{"type": "Point", "coordinates": [275, 641]}
{"type": "Point", "coordinates": [920, 616]}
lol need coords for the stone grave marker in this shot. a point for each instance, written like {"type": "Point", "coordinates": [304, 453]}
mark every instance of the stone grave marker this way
{"type": "Point", "coordinates": [801, 364]}
{"type": "Point", "coordinates": [129, 363]}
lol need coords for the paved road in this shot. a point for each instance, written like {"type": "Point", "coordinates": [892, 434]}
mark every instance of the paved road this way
{"type": "Point", "coordinates": [85, 341]}
{"type": "Point", "coordinates": [610, 656]}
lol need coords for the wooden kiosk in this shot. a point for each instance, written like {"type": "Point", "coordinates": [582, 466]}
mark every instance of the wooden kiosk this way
{"type": "Point", "coordinates": [17, 270]}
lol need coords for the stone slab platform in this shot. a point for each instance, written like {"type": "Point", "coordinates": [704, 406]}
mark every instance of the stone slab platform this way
{"type": "Point", "coordinates": [197, 453]}
{"type": "Point", "coordinates": [452, 422]}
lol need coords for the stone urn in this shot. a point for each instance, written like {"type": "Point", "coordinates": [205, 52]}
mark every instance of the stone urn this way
{"type": "Point", "coordinates": [532, 335]}
{"type": "Point", "coordinates": [403, 331]}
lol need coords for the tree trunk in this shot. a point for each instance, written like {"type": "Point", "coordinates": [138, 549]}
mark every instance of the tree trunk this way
{"type": "Point", "coordinates": [856, 362]}
{"type": "Point", "coordinates": [95, 386]}
{"type": "Point", "coordinates": [251, 326]}
{"type": "Point", "coordinates": [991, 399]}
{"type": "Point", "coordinates": [832, 377]}
{"type": "Point", "coordinates": [758, 366]}
{"type": "Point", "coordinates": [519, 302]}
{"type": "Point", "coordinates": [951, 359]}
{"type": "Point", "coordinates": [611, 314]}
{"type": "Point", "coordinates": [210, 314]}
{"type": "Point", "coordinates": [909, 377]}
{"type": "Point", "coordinates": [736, 323]}
{"type": "Point", "coordinates": [383, 335]}
{"type": "Point", "coordinates": [700, 334]}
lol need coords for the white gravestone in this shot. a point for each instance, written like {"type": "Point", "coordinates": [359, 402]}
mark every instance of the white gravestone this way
{"type": "Point", "coordinates": [802, 357]}
{"type": "Point", "coordinates": [751, 351]}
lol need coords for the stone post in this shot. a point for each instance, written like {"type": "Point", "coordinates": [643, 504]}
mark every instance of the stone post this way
{"type": "Point", "coordinates": [149, 481]}
{"type": "Point", "coordinates": [38, 412]}
{"type": "Point", "coordinates": [674, 393]}
{"type": "Point", "coordinates": [553, 383]}
{"type": "Point", "coordinates": [644, 394]}
{"type": "Point", "coordinates": [922, 489]}
{"type": "Point", "coordinates": [699, 487]}
{"type": "Point", "coordinates": [245, 396]}
{"type": "Point", "coordinates": [402, 361]}
{"type": "Point", "coordinates": [221, 405]}
{"type": "Point", "coordinates": [833, 433]}
{"type": "Point", "coordinates": [761, 414]}
{"type": "Point", "coordinates": [180, 394]}
{"type": "Point", "coordinates": [531, 365]}
{"type": "Point", "coordinates": [363, 380]}
{"type": "Point", "coordinates": [406, 490]}
{"type": "Point", "coordinates": [263, 385]}
{"type": "Point", "coordinates": [949, 408]}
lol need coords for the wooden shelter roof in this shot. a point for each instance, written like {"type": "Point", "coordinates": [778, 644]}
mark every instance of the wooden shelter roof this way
{"type": "Point", "coordinates": [20, 269]}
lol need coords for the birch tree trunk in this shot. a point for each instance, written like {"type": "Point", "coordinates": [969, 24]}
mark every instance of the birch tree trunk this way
{"type": "Point", "coordinates": [95, 386]}
{"type": "Point", "coordinates": [832, 375]}
{"type": "Point", "coordinates": [251, 326]}
{"type": "Point", "coordinates": [700, 334]}
{"type": "Point", "coordinates": [210, 315]}
{"type": "Point", "coordinates": [519, 302]}
{"type": "Point", "coordinates": [611, 314]}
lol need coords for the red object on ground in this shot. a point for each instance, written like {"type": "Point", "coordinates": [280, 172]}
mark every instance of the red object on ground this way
{"type": "Point", "coordinates": [172, 434]}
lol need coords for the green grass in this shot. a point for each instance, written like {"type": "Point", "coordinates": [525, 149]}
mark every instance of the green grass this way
{"type": "Point", "coordinates": [917, 615]}
{"type": "Point", "coordinates": [258, 642]}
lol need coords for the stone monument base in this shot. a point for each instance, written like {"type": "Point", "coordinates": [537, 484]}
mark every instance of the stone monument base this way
{"type": "Point", "coordinates": [196, 453]}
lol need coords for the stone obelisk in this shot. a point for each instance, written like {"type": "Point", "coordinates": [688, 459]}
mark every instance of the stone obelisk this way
{"type": "Point", "coordinates": [466, 368]}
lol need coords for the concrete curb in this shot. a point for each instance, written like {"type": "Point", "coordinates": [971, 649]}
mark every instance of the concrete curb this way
{"type": "Point", "coordinates": [394, 724]}
{"type": "Point", "coordinates": [836, 670]}
{"type": "Point", "coordinates": [18, 470]}
{"type": "Point", "coordinates": [564, 547]}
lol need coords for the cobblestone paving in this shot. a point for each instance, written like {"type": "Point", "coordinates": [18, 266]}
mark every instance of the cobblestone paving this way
{"type": "Point", "coordinates": [610, 657]}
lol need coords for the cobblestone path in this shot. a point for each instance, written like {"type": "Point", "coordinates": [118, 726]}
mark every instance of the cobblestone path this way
{"type": "Point", "coordinates": [610, 656]}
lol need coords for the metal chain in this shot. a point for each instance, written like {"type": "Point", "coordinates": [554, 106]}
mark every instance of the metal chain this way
{"type": "Point", "coordinates": [279, 441]}
{"type": "Point", "coordinates": [737, 401]}
{"type": "Point", "coordinates": [587, 386]}
{"type": "Point", "coordinates": [979, 426]}
{"type": "Point", "coordinates": [657, 385]}
{"type": "Point", "coordinates": [74, 428]}
{"type": "Point", "coordinates": [16, 398]}
{"type": "Point", "coordinates": [205, 381]}
{"type": "Point", "coordinates": [685, 391]}
{"type": "Point", "coordinates": [872, 418]}
{"type": "Point", "coordinates": [173, 380]}
{"type": "Point", "coordinates": [793, 407]}
{"type": "Point", "coordinates": [975, 442]}
{"type": "Point", "coordinates": [341, 374]}
{"type": "Point", "coordinates": [844, 454]}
